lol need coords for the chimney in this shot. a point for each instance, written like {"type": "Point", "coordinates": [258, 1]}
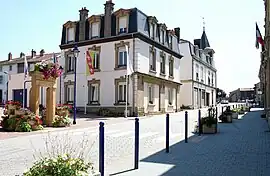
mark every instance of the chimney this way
{"type": "Point", "coordinates": [9, 56]}
{"type": "Point", "coordinates": [177, 33]}
{"type": "Point", "coordinates": [108, 18]}
{"type": "Point", "coordinates": [33, 53]}
{"type": "Point", "coordinates": [83, 17]}
{"type": "Point", "coordinates": [22, 55]}
{"type": "Point", "coordinates": [41, 53]}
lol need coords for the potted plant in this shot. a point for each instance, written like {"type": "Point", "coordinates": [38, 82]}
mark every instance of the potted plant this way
{"type": "Point", "coordinates": [235, 113]}
{"type": "Point", "coordinates": [209, 122]}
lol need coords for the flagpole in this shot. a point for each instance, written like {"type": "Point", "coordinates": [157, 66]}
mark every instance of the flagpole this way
{"type": "Point", "coordinates": [126, 95]}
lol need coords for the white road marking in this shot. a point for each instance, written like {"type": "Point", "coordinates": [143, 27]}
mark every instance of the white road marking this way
{"type": "Point", "coordinates": [121, 134]}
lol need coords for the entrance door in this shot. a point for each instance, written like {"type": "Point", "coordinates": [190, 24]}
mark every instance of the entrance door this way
{"type": "Point", "coordinates": [207, 99]}
{"type": "Point", "coordinates": [18, 96]}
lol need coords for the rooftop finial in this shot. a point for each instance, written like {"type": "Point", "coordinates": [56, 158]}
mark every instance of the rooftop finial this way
{"type": "Point", "coordinates": [203, 24]}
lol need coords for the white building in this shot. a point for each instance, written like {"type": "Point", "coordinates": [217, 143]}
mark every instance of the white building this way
{"type": "Point", "coordinates": [154, 53]}
{"type": "Point", "coordinates": [12, 76]}
{"type": "Point", "coordinates": [198, 73]}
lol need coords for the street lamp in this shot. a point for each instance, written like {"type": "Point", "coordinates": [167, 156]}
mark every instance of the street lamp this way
{"type": "Point", "coordinates": [75, 51]}
{"type": "Point", "coordinates": [5, 72]}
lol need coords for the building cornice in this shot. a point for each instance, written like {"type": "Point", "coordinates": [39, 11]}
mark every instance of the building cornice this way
{"type": "Point", "coordinates": [122, 37]}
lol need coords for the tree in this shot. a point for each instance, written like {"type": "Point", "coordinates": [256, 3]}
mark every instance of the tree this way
{"type": "Point", "coordinates": [221, 93]}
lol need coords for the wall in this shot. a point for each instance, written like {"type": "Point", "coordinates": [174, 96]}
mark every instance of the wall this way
{"type": "Point", "coordinates": [186, 94]}
{"type": "Point", "coordinates": [186, 62]}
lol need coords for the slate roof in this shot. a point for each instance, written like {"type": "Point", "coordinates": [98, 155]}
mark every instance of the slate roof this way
{"type": "Point", "coordinates": [37, 58]}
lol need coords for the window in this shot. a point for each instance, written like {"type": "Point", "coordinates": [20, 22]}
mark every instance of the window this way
{"type": "Point", "coordinates": [95, 30]}
{"type": "Point", "coordinates": [203, 94]}
{"type": "Point", "coordinates": [170, 96]}
{"type": "Point", "coordinates": [122, 88]}
{"type": "Point", "coordinates": [209, 81]}
{"type": "Point", "coordinates": [162, 36]}
{"type": "Point", "coordinates": [1, 79]}
{"type": "Point", "coordinates": [151, 94]}
{"type": "Point", "coordinates": [162, 63]}
{"type": "Point", "coordinates": [93, 93]}
{"type": "Point", "coordinates": [212, 79]}
{"type": "Point", "coordinates": [70, 34]}
{"type": "Point", "coordinates": [10, 68]}
{"type": "Point", "coordinates": [170, 41]}
{"type": "Point", "coordinates": [70, 63]}
{"type": "Point", "coordinates": [122, 25]}
{"type": "Point", "coordinates": [95, 56]}
{"type": "Point", "coordinates": [1, 68]}
{"type": "Point", "coordinates": [152, 59]}
{"type": "Point", "coordinates": [171, 66]}
{"type": "Point", "coordinates": [69, 93]}
{"type": "Point", "coordinates": [202, 75]}
{"type": "Point", "coordinates": [197, 72]}
{"type": "Point", "coordinates": [153, 31]}
{"type": "Point", "coordinates": [122, 58]}
{"type": "Point", "coordinates": [20, 68]}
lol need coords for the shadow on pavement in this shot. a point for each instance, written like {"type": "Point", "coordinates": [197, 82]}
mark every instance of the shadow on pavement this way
{"type": "Point", "coordinates": [239, 148]}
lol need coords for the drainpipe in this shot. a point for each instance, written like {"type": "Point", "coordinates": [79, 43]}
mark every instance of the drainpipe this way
{"type": "Point", "coordinates": [192, 74]}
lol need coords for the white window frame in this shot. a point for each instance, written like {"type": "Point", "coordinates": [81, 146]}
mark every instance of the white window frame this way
{"type": "Point", "coordinates": [122, 57]}
{"type": "Point", "coordinates": [93, 35]}
{"type": "Point", "coordinates": [122, 29]}
{"type": "Point", "coordinates": [70, 36]}
{"type": "Point", "coordinates": [121, 93]}
{"type": "Point", "coordinates": [163, 64]}
{"type": "Point", "coordinates": [170, 96]}
{"type": "Point", "coordinates": [70, 93]}
{"type": "Point", "coordinates": [152, 60]}
{"type": "Point", "coordinates": [150, 94]}
{"type": "Point", "coordinates": [171, 67]}
{"type": "Point", "coordinates": [92, 99]}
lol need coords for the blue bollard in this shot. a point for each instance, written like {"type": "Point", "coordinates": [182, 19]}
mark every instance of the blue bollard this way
{"type": "Point", "coordinates": [101, 148]}
{"type": "Point", "coordinates": [186, 127]}
{"type": "Point", "coordinates": [167, 133]}
{"type": "Point", "coordinates": [216, 119]}
{"type": "Point", "coordinates": [136, 157]}
{"type": "Point", "coordinates": [199, 122]}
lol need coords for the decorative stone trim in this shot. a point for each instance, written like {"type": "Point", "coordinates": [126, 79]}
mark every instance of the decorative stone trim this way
{"type": "Point", "coordinates": [67, 53]}
{"type": "Point", "coordinates": [116, 49]}
{"type": "Point", "coordinates": [152, 20]}
{"type": "Point", "coordinates": [90, 82]}
{"type": "Point", "coordinates": [116, 83]}
{"type": "Point", "coordinates": [122, 13]}
{"type": "Point", "coordinates": [70, 24]}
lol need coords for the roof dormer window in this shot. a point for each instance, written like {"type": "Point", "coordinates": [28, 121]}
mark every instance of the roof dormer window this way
{"type": "Point", "coordinates": [122, 19]}
{"type": "Point", "coordinates": [94, 28]}
{"type": "Point", "coordinates": [152, 21]}
{"type": "Point", "coordinates": [122, 25]}
{"type": "Point", "coordinates": [70, 31]}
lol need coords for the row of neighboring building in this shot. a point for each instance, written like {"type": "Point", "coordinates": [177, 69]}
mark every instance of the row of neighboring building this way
{"type": "Point", "coordinates": [168, 71]}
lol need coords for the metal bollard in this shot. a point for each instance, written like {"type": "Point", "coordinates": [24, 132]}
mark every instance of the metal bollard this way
{"type": "Point", "coordinates": [186, 127]}
{"type": "Point", "coordinates": [167, 133]}
{"type": "Point", "coordinates": [136, 157]}
{"type": "Point", "coordinates": [199, 122]}
{"type": "Point", "coordinates": [216, 119]}
{"type": "Point", "coordinates": [101, 148]}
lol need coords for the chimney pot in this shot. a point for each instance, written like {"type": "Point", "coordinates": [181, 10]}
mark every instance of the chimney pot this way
{"type": "Point", "coordinates": [83, 17]}
{"type": "Point", "coordinates": [109, 6]}
{"type": "Point", "coordinates": [33, 53]}
{"type": "Point", "coordinates": [9, 56]}
{"type": "Point", "coordinates": [41, 53]}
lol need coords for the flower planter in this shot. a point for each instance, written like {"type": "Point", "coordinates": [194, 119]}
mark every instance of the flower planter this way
{"type": "Point", "coordinates": [229, 118]}
{"type": "Point", "coordinates": [209, 130]}
{"type": "Point", "coordinates": [235, 115]}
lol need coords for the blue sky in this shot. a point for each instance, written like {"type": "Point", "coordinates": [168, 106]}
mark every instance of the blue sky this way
{"type": "Point", "coordinates": [230, 27]}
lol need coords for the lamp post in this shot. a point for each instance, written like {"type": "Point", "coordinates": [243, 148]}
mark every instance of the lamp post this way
{"type": "Point", "coordinates": [6, 73]}
{"type": "Point", "coordinates": [75, 52]}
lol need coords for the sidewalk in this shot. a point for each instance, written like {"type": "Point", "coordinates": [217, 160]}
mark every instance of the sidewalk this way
{"type": "Point", "coordinates": [240, 148]}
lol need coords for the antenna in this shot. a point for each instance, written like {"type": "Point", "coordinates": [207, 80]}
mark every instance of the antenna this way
{"type": "Point", "coordinates": [203, 23]}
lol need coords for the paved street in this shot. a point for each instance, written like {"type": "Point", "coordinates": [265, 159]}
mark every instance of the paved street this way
{"type": "Point", "coordinates": [17, 153]}
{"type": "Point", "coordinates": [241, 148]}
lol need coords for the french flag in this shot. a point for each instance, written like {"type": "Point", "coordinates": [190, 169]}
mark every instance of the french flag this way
{"type": "Point", "coordinates": [259, 39]}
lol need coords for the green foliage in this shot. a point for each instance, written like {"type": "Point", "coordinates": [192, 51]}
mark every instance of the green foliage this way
{"type": "Point", "coordinates": [62, 165]}
{"type": "Point", "coordinates": [24, 127]}
{"type": "Point", "coordinates": [61, 121]}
